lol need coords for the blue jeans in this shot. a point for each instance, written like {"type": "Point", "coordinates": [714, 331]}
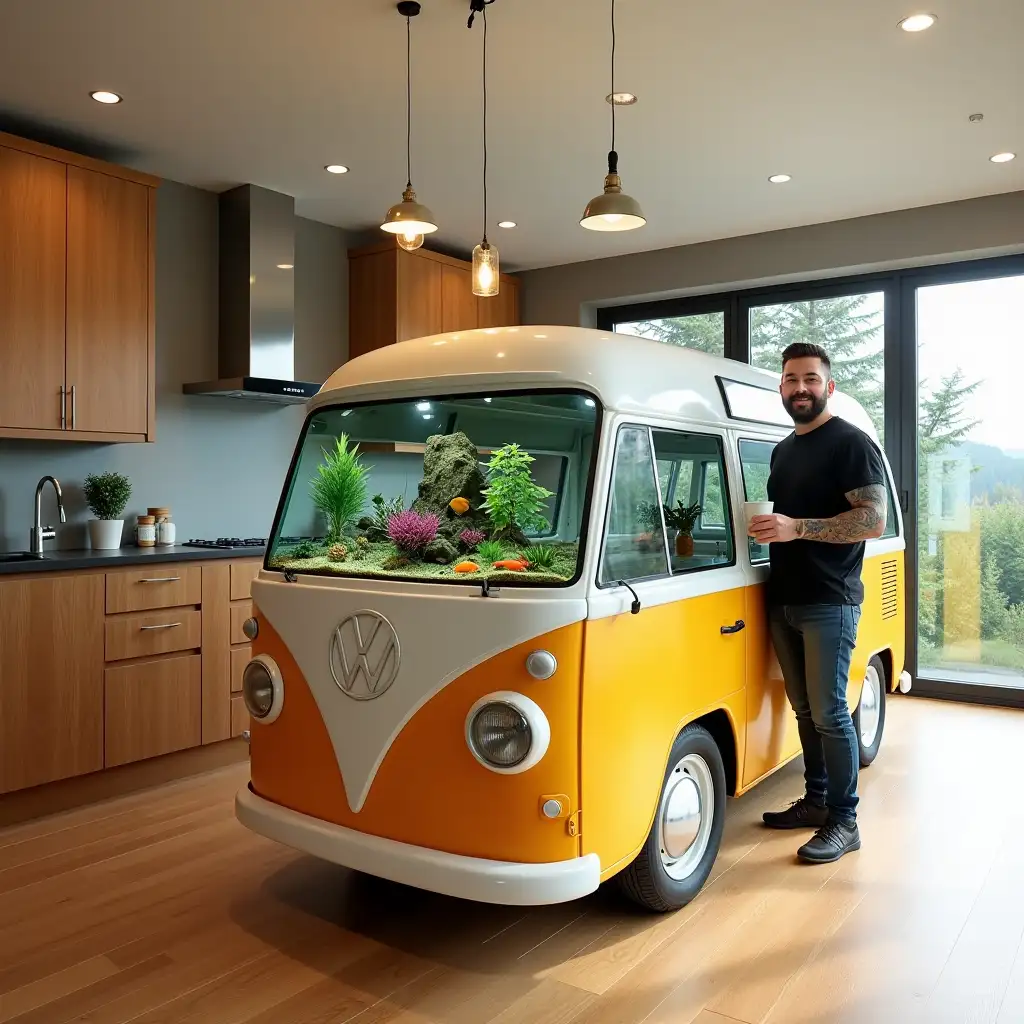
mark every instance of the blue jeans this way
{"type": "Point", "coordinates": [814, 644]}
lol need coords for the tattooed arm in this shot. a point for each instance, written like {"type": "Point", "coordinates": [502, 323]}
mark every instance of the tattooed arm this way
{"type": "Point", "coordinates": [865, 521]}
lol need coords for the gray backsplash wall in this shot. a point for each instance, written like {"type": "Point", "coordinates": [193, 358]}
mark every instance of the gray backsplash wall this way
{"type": "Point", "coordinates": [218, 463]}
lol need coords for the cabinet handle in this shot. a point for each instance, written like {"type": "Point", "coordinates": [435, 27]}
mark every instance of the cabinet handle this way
{"type": "Point", "coordinates": [165, 625]}
{"type": "Point", "coordinates": [161, 579]}
{"type": "Point", "coordinates": [73, 407]}
{"type": "Point", "coordinates": [63, 408]}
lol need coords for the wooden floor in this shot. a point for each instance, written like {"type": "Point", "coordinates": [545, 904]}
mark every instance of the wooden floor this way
{"type": "Point", "coordinates": [160, 908]}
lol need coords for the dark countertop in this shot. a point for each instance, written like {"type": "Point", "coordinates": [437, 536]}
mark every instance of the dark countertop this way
{"type": "Point", "coordinates": [56, 561]}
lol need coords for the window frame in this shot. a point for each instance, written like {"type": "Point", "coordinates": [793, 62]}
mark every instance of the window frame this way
{"type": "Point", "coordinates": [665, 309]}
{"type": "Point", "coordinates": [729, 528]}
{"type": "Point", "coordinates": [740, 439]}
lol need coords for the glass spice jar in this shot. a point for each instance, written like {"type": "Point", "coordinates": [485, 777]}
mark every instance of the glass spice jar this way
{"type": "Point", "coordinates": [145, 532]}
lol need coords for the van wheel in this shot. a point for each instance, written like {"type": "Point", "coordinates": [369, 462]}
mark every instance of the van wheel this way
{"type": "Point", "coordinates": [869, 718]}
{"type": "Point", "coordinates": [687, 831]}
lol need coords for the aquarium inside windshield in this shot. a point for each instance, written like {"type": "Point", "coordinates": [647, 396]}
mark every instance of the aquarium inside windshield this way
{"type": "Point", "coordinates": [454, 489]}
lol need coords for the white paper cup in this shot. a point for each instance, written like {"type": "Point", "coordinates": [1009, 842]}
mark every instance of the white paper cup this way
{"type": "Point", "coordinates": [757, 508]}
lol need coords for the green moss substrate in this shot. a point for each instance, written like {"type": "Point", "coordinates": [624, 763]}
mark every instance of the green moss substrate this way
{"type": "Point", "coordinates": [370, 562]}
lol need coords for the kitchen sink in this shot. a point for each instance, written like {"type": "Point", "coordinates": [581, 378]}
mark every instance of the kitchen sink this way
{"type": "Point", "coordinates": [19, 556]}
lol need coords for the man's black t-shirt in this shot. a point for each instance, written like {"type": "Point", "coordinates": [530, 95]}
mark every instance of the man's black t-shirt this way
{"type": "Point", "coordinates": [811, 475]}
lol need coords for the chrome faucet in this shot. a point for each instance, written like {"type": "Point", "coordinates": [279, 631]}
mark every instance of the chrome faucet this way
{"type": "Point", "coordinates": [42, 533]}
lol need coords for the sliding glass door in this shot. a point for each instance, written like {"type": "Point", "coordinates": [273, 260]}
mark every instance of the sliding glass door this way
{"type": "Point", "coordinates": [936, 357]}
{"type": "Point", "coordinates": [970, 483]}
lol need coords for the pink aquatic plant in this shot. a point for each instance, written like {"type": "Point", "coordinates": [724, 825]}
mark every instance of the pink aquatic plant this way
{"type": "Point", "coordinates": [411, 531]}
{"type": "Point", "coordinates": [471, 538]}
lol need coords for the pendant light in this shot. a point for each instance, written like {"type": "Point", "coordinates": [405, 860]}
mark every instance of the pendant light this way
{"type": "Point", "coordinates": [486, 275]}
{"type": "Point", "coordinates": [613, 210]}
{"type": "Point", "coordinates": [409, 220]}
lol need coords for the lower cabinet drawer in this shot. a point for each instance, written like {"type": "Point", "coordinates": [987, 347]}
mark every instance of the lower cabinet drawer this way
{"type": "Point", "coordinates": [152, 708]}
{"type": "Point", "coordinates": [149, 633]}
{"type": "Point", "coordinates": [239, 716]}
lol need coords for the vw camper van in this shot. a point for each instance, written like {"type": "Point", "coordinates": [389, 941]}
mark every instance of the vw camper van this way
{"type": "Point", "coordinates": [509, 640]}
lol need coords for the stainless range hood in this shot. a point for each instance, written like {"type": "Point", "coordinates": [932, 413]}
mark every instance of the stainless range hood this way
{"type": "Point", "coordinates": [256, 344]}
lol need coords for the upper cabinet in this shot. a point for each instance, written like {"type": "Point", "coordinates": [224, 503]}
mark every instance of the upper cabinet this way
{"type": "Point", "coordinates": [76, 297]}
{"type": "Point", "coordinates": [396, 295]}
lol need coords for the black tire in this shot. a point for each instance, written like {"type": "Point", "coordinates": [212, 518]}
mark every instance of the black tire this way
{"type": "Point", "coordinates": [869, 751]}
{"type": "Point", "coordinates": [647, 880]}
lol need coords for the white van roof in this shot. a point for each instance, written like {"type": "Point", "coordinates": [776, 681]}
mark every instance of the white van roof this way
{"type": "Point", "coordinates": [628, 374]}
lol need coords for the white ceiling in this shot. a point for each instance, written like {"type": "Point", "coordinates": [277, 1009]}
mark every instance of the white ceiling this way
{"type": "Point", "coordinates": [865, 117]}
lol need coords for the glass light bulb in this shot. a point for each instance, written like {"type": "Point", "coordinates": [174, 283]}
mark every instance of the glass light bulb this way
{"type": "Point", "coordinates": [409, 240]}
{"type": "Point", "coordinates": [486, 277]}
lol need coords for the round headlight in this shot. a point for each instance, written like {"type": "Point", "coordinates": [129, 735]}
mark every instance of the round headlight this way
{"type": "Point", "coordinates": [262, 689]}
{"type": "Point", "coordinates": [507, 732]}
{"type": "Point", "coordinates": [501, 735]}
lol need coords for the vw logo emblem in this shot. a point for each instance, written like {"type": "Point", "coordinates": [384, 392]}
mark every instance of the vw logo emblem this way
{"type": "Point", "coordinates": [365, 655]}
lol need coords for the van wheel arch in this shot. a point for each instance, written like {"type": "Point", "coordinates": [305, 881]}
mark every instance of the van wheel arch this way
{"type": "Point", "coordinates": [662, 878]}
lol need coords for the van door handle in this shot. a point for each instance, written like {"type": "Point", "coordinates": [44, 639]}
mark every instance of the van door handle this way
{"type": "Point", "coordinates": [735, 627]}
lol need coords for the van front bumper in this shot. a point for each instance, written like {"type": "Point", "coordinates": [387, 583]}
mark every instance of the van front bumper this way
{"type": "Point", "coordinates": [472, 878]}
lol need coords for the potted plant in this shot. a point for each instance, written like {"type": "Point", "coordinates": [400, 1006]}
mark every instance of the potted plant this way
{"type": "Point", "coordinates": [106, 494]}
{"type": "Point", "coordinates": [681, 519]}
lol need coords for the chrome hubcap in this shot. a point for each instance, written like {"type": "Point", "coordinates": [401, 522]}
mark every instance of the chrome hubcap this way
{"type": "Point", "coordinates": [870, 707]}
{"type": "Point", "coordinates": [686, 816]}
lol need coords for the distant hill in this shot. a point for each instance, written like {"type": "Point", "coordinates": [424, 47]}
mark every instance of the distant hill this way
{"type": "Point", "coordinates": [993, 466]}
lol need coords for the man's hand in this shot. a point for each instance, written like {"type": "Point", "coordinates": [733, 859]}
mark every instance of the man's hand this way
{"type": "Point", "coordinates": [774, 529]}
{"type": "Point", "coordinates": [864, 521]}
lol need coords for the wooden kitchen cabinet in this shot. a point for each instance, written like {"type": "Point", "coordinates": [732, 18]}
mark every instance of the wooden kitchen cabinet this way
{"type": "Point", "coordinates": [32, 261]}
{"type": "Point", "coordinates": [77, 283]}
{"type": "Point", "coordinates": [107, 334]}
{"type": "Point", "coordinates": [396, 295]}
{"type": "Point", "coordinates": [51, 679]}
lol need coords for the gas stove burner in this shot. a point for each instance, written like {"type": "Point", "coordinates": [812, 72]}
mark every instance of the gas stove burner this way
{"type": "Point", "coordinates": [227, 543]}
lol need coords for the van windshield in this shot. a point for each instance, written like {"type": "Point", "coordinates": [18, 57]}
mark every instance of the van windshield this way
{"type": "Point", "coordinates": [457, 489]}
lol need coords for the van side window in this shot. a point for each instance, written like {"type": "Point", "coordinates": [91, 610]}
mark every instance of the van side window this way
{"type": "Point", "coordinates": [696, 467]}
{"type": "Point", "coordinates": [634, 542]}
{"type": "Point", "coordinates": [755, 461]}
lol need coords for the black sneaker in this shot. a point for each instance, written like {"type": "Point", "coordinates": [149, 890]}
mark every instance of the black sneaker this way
{"type": "Point", "coordinates": [802, 814]}
{"type": "Point", "coordinates": [830, 842]}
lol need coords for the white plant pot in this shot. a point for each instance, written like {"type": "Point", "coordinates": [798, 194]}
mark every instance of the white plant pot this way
{"type": "Point", "coordinates": [105, 534]}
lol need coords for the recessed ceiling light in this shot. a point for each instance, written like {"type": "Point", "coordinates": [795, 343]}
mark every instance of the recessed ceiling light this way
{"type": "Point", "coordinates": [336, 169]}
{"type": "Point", "coordinates": [103, 96]}
{"type": "Point", "coordinates": [621, 99]}
{"type": "Point", "coordinates": [778, 179]}
{"type": "Point", "coordinates": [917, 22]}
{"type": "Point", "coordinates": [286, 266]}
{"type": "Point", "coordinates": [1002, 158]}
{"type": "Point", "coordinates": [506, 223]}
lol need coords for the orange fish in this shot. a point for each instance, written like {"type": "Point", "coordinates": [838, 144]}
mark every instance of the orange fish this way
{"type": "Point", "coordinates": [460, 506]}
{"type": "Point", "coordinates": [467, 567]}
{"type": "Point", "coordinates": [511, 564]}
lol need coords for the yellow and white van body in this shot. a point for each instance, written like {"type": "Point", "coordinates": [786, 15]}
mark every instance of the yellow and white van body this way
{"type": "Point", "coordinates": [364, 758]}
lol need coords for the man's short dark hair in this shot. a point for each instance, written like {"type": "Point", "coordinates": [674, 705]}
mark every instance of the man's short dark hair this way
{"type": "Point", "coordinates": [806, 350]}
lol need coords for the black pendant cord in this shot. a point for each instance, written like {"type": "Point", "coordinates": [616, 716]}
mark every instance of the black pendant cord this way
{"type": "Point", "coordinates": [484, 13]}
{"type": "Point", "coordinates": [476, 7]}
{"type": "Point", "coordinates": [408, 101]}
{"type": "Point", "coordinates": [613, 157]}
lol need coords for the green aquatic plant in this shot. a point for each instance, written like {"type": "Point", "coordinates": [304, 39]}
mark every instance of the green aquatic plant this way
{"type": "Point", "coordinates": [541, 556]}
{"type": "Point", "coordinates": [490, 551]}
{"type": "Point", "coordinates": [307, 549]}
{"type": "Point", "coordinates": [512, 499]}
{"type": "Point", "coordinates": [339, 489]}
